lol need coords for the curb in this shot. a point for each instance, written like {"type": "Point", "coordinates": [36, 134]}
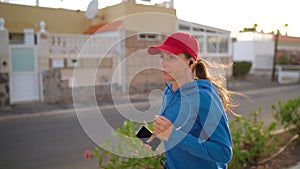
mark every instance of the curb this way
{"type": "Point", "coordinates": [141, 103]}
{"type": "Point", "coordinates": [68, 111]}
{"type": "Point", "coordinates": [270, 89]}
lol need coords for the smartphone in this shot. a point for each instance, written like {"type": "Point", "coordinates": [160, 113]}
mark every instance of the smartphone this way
{"type": "Point", "coordinates": [144, 134]}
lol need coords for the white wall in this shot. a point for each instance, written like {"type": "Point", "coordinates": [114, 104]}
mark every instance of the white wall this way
{"type": "Point", "coordinates": [260, 53]}
{"type": "Point", "coordinates": [243, 51]}
{"type": "Point", "coordinates": [264, 53]}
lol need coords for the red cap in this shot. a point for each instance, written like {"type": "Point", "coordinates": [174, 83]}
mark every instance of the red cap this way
{"type": "Point", "coordinates": [176, 43]}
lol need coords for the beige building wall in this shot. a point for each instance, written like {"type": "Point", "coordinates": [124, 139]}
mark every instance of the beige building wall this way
{"type": "Point", "coordinates": [109, 14]}
{"type": "Point", "coordinates": [137, 17]}
{"type": "Point", "coordinates": [140, 18]}
{"type": "Point", "coordinates": [19, 17]}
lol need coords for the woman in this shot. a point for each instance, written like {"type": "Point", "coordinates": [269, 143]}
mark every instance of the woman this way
{"type": "Point", "coordinates": [192, 122]}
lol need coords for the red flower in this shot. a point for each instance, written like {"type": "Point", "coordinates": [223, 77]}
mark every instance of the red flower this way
{"type": "Point", "coordinates": [88, 154]}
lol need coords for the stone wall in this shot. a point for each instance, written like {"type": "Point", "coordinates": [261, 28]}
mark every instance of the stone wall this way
{"type": "Point", "coordinates": [146, 80]}
{"type": "Point", "coordinates": [142, 69]}
{"type": "Point", "coordinates": [56, 90]}
{"type": "Point", "coordinates": [4, 89]}
{"type": "Point", "coordinates": [4, 65]}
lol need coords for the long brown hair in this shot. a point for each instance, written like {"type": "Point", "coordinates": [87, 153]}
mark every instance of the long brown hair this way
{"type": "Point", "coordinates": [200, 71]}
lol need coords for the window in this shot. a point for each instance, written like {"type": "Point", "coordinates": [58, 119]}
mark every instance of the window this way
{"type": "Point", "coordinates": [16, 38]}
{"type": "Point", "coordinates": [22, 59]}
{"type": "Point", "coordinates": [198, 29]}
{"type": "Point", "coordinates": [223, 45]}
{"type": "Point", "coordinates": [184, 27]}
{"type": "Point", "coordinates": [211, 31]}
{"type": "Point", "coordinates": [149, 37]}
{"type": "Point", "coordinates": [200, 39]}
{"type": "Point", "coordinates": [212, 44]}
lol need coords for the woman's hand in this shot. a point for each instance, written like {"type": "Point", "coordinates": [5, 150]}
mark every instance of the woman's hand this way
{"type": "Point", "coordinates": [146, 145]}
{"type": "Point", "coordinates": [163, 127]}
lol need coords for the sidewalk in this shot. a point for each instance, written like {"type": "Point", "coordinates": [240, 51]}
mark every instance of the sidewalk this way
{"type": "Point", "coordinates": [34, 109]}
{"type": "Point", "coordinates": [39, 108]}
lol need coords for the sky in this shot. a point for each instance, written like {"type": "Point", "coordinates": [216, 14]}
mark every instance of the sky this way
{"type": "Point", "coordinates": [232, 15]}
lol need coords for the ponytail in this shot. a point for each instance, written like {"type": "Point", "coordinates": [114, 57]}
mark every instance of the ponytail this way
{"type": "Point", "coordinates": [200, 71]}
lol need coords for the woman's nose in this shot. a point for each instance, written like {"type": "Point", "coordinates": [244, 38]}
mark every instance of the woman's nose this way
{"type": "Point", "coordinates": [162, 62]}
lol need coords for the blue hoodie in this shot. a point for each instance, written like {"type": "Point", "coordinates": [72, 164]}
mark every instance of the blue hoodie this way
{"type": "Point", "coordinates": [201, 136]}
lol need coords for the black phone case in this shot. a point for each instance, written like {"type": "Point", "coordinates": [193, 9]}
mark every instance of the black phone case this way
{"type": "Point", "coordinates": [144, 134]}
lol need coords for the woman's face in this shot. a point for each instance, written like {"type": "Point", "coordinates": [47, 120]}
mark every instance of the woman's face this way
{"type": "Point", "coordinates": [173, 67]}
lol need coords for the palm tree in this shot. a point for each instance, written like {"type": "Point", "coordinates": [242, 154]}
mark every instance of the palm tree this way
{"type": "Point", "coordinates": [252, 29]}
{"type": "Point", "coordinates": [285, 28]}
{"type": "Point", "coordinates": [255, 25]}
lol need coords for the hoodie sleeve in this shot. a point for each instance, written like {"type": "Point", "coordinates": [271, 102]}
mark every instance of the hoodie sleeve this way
{"type": "Point", "coordinates": [214, 141]}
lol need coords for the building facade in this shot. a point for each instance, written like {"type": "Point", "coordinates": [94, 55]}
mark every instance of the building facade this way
{"type": "Point", "coordinates": [57, 54]}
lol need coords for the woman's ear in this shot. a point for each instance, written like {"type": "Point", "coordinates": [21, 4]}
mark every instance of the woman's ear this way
{"type": "Point", "coordinates": [190, 63]}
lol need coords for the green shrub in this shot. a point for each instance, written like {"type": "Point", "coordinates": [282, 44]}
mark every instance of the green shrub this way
{"type": "Point", "coordinates": [250, 140]}
{"type": "Point", "coordinates": [288, 114]}
{"type": "Point", "coordinates": [282, 60]}
{"type": "Point", "coordinates": [241, 68]}
{"type": "Point", "coordinates": [295, 59]}
{"type": "Point", "coordinates": [108, 160]}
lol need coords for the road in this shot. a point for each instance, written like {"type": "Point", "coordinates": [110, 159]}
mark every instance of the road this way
{"type": "Point", "coordinates": [264, 98]}
{"type": "Point", "coordinates": [47, 142]}
{"type": "Point", "coordinates": [59, 142]}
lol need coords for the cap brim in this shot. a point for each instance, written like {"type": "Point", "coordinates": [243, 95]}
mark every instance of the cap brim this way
{"type": "Point", "coordinates": [154, 50]}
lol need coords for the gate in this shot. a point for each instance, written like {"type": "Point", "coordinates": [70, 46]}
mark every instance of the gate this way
{"type": "Point", "coordinates": [24, 84]}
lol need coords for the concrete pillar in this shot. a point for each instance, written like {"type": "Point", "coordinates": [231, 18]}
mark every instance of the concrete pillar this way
{"type": "Point", "coordinates": [43, 48]}
{"type": "Point", "coordinates": [43, 56]}
{"type": "Point", "coordinates": [28, 36]}
{"type": "Point", "coordinates": [4, 65]}
{"type": "Point", "coordinates": [4, 48]}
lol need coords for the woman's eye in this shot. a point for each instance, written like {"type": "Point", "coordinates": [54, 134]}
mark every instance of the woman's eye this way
{"type": "Point", "coordinates": [171, 57]}
{"type": "Point", "coordinates": [167, 57]}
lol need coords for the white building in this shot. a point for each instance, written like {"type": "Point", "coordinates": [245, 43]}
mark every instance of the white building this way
{"type": "Point", "coordinates": [257, 48]}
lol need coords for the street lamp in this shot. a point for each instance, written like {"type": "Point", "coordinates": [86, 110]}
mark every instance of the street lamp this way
{"type": "Point", "coordinates": [275, 54]}
{"type": "Point", "coordinates": [275, 49]}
